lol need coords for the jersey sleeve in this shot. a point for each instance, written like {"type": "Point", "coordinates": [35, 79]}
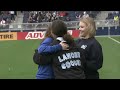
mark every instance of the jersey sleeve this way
{"type": "Point", "coordinates": [95, 57]}
{"type": "Point", "coordinates": [46, 48]}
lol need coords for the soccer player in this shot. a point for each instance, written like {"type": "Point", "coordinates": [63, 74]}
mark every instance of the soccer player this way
{"type": "Point", "coordinates": [46, 71]}
{"type": "Point", "coordinates": [66, 64]}
{"type": "Point", "coordinates": [91, 47]}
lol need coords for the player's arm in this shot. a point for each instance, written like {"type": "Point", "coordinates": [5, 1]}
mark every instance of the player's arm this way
{"type": "Point", "coordinates": [96, 58]}
{"type": "Point", "coordinates": [46, 48]}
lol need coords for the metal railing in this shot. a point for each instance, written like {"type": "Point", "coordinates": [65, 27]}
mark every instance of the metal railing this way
{"type": "Point", "coordinates": [44, 25]}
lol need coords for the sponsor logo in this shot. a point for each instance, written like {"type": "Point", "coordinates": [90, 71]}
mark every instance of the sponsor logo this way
{"type": "Point", "coordinates": [35, 35]}
{"type": "Point", "coordinates": [8, 36]}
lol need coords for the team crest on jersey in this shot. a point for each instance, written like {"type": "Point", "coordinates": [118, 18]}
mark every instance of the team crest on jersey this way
{"type": "Point", "coordinates": [83, 46]}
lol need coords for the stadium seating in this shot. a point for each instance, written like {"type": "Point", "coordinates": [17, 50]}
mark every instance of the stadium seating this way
{"type": "Point", "coordinates": [67, 15]}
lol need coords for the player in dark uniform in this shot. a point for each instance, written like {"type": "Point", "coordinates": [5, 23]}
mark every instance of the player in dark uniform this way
{"type": "Point", "coordinates": [66, 64]}
{"type": "Point", "coordinates": [92, 48]}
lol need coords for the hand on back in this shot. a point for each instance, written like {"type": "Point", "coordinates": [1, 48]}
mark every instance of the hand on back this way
{"type": "Point", "coordinates": [64, 46]}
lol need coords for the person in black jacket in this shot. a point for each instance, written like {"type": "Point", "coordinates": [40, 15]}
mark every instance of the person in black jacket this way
{"type": "Point", "coordinates": [92, 48]}
{"type": "Point", "coordinates": [46, 71]}
{"type": "Point", "coordinates": [66, 64]}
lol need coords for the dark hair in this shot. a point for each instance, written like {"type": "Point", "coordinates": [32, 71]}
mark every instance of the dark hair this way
{"type": "Point", "coordinates": [47, 33]}
{"type": "Point", "coordinates": [59, 28]}
{"type": "Point", "coordinates": [69, 40]}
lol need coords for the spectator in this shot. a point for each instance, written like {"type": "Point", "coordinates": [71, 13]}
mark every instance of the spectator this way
{"type": "Point", "coordinates": [3, 22]}
{"type": "Point", "coordinates": [116, 19]}
{"type": "Point", "coordinates": [85, 14]}
{"type": "Point", "coordinates": [12, 15]}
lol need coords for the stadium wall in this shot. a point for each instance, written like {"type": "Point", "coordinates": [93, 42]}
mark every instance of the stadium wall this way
{"type": "Point", "coordinates": [40, 34]}
{"type": "Point", "coordinates": [108, 31]}
{"type": "Point", "coordinates": [29, 35]}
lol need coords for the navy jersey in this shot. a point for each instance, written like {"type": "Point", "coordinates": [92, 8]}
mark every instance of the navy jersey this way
{"type": "Point", "coordinates": [66, 64]}
{"type": "Point", "coordinates": [93, 55]}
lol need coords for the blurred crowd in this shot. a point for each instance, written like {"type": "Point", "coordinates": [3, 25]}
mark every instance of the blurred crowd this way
{"type": "Point", "coordinates": [7, 17]}
{"type": "Point", "coordinates": [113, 15]}
{"type": "Point", "coordinates": [48, 16]}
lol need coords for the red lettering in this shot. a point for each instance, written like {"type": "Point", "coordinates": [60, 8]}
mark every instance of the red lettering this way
{"type": "Point", "coordinates": [35, 35]}
{"type": "Point", "coordinates": [29, 35]}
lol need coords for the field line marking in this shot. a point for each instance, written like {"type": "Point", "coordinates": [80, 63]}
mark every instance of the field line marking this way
{"type": "Point", "coordinates": [114, 40]}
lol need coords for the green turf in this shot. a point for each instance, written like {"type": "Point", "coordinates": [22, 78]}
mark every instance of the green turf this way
{"type": "Point", "coordinates": [116, 38]}
{"type": "Point", "coordinates": [111, 63]}
{"type": "Point", "coordinates": [16, 59]}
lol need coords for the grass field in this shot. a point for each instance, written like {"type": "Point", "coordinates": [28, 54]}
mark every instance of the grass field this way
{"type": "Point", "coordinates": [16, 59]}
